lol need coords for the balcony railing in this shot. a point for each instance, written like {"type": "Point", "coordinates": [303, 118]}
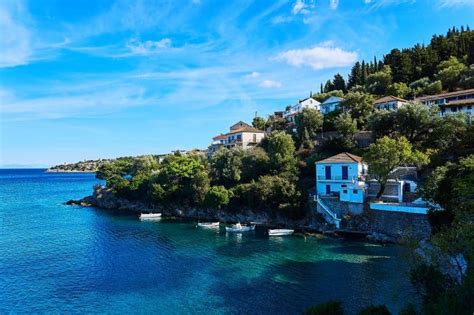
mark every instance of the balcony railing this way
{"type": "Point", "coordinates": [353, 178]}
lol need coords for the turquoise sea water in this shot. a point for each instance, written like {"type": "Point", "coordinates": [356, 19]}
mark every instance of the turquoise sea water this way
{"type": "Point", "coordinates": [56, 258]}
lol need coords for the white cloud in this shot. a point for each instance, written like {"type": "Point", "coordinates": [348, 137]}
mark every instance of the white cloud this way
{"type": "Point", "coordinates": [148, 47]}
{"type": "Point", "coordinates": [15, 38]}
{"type": "Point", "coordinates": [301, 7]}
{"type": "Point", "coordinates": [367, 1]}
{"type": "Point", "coordinates": [321, 56]}
{"type": "Point", "coordinates": [333, 4]}
{"type": "Point", "coordinates": [269, 84]}
{"type": "Point", "coordinates": [454, 3]}
{"type": "Point", "coordinates": [253, 75]}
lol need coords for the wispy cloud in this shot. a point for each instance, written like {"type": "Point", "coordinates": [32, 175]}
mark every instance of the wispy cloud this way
{"type": "Point", "coordinates": [15, 38]}
{"type": "Point", "coordinates": [303, 7]}
{"type": "Point", "coordinates": [253, 75]}
{"type": "Point", "coordinates": [148, 47]}
{"type": "Point", "coordinates": [270, 84]}
{"type": "Point", "coordinates": [454, 3]}
{"type": "Point", "coordinates": [321, 56]}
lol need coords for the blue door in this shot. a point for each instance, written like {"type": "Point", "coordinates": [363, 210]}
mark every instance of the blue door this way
{"type": "Point", "coordinates": [327, 170]}
{"type": "Point", "coordinates": [328, 189]}
{"type": "Point", "coordinates": [345, 173]}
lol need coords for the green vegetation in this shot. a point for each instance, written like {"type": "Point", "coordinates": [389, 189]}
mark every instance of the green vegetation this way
{"type": "Point", "coordinates": [277, 175]}
{"type": "Point", "coordinates": [386, 154]}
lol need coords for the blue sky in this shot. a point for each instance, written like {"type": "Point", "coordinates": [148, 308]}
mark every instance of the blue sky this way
{"type": "Point", "coordinates": [89, 79]}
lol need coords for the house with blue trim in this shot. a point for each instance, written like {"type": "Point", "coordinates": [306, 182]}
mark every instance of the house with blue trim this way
{"type": "Point", "coordinates": [331, 104]}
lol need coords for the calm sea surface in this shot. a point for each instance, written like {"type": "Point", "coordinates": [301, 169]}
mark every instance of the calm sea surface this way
{"type": "Point", "coordinates": [56, 258]}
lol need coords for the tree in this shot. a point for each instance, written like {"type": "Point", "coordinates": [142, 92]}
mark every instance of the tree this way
{"type": "Point", "coordinates": [435, 87]}
{"type": "Point", "coordinates": [307, 125]}
{"type": "Point", "coordinates": [328, 87]}
{"type": "Point", "coordinates": [419, 86]}
{"type": "Point", "coordinates": [339, 83]}
{"type": "Point", "coordinates": [346, 125]}
{"type": "Point", "coordinates": [378, 82]}
{"type": "Point", "coordinates": [359, 106]}
{"type": "Point", "coordinates": [259, 123]}
{"type": "Point", "coordinates": [226, 166]}
{"type": "Point", "coordinates": [355, 78]}
{"type": "Point", "coordinates": [467, 78]}
{"type": "Point", "coordinates": [280, 148]}
{"type": "Point", "coordinates": [399, 89]}
{"type": "Point", "coordinates": [181, 179]}
{"type": "Point", "coordinates": [449, 72]}
{"type": "Point", "coordinates": [217, 197]}
{"type": "Point", "coordinates": [276, 123]}
{"type": "Point", "coordinates": [386, 154]}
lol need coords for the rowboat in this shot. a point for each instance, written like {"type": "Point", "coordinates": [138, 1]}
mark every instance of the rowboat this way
{"type": "Point", "coordinates": [280, 232]}
{"type": "Point", "coordinates": [150, 216]}
{"type": "Point", "coordinates": [238, 228]}
{"type": "Point", "coordinates": [208, 225]}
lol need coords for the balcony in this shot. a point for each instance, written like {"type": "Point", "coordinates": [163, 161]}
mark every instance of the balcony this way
{"type": "Point", "coordinates": [339, 178]}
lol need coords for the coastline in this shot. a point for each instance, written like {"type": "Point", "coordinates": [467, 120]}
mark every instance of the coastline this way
{"type": "Point", "coordinates": [69, 171]}
{"type": "Point", "coordinates": [375, 227]}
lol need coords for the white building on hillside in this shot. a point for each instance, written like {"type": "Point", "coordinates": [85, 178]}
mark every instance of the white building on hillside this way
{"type": "Point", "coordinates": [389, 103]}
{"type": "Point", "coordinates": [342, 174]}
{"type": "Point", "coordinates": [451, 103]}
{"type": "Point", "coordinates": [294, 110]}
{"type": "Point", "coordinates": [331, 104]}
{"type": "Point", "coordinates": [240, 135]}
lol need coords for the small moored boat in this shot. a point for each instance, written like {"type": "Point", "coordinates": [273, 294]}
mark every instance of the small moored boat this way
{"type": "Point", "coordinates": [239, 228]}
{"type": "Point", "coordinates": [150, 216]}
{"type": "Point", "coordinates": [280, 232]}
{"type": "Point", "coordinates": [208, 225]}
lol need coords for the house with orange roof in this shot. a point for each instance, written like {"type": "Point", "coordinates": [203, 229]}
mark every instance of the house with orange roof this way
{"type": "Point", "coordinates": [240, 134]}
{"type": "Point", "coordinates": [389, 103]}
{"type": "Point", "coordinates": [451, 103]}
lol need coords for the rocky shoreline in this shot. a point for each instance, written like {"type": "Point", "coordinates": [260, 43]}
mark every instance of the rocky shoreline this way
{"type": "Point", "coordinates": [104, 198]}
{"type": "Point", "coordinates": [373, 228]}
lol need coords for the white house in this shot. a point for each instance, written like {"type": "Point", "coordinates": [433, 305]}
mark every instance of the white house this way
{"type": "Point", "coordinates": [240, 135]}
{"type": "Point", "coordinates": [294, 110]}
{"type": "Point", "coordinates": [342, 174]}
{"type": "Point", "coordinates": [452, 102]}
{"type": "Point", "coordinates": [331, 104]}
{"type": "Point", "coordinates": [389, 103]}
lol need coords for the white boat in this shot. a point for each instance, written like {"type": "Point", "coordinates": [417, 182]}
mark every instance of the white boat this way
{"type": "Point", "coordinates": [208, 225]}
{"type": "Point", "coordinates": [238, 228]}
{"type": "Point", "coordinates": [150, 216]}
{"type": "Point", "coordinates": [280, 232]}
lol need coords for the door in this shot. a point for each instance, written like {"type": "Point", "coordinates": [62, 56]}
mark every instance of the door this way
{"type": "Point", "coordinates": [328, 189]}
{"type": "Point", "coordinates": [345, 173]}
{"type": "Point", "coordinates": [327, 170]}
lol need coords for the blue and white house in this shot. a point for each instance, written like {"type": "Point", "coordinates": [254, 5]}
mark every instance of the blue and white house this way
{"type": "Point", "coordinates": [331, 104]}
{"type": "Point", "coordinates": [342, 174]}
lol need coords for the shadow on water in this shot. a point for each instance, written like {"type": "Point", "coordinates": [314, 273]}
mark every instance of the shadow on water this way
{"type": "Point", "coordinates": [289, 286]}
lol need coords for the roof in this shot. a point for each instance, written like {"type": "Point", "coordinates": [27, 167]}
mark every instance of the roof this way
{"type": "Point", "coordinates": [389, 98]}
{"type": "Point", "coordinates": [245, 129]}
{"type": "Point", "coordinates": [220, 137]}
{"type": "Point", "coordinates": [332, 99]}
{"type": "Point", "coordinates": [459, 102]}
{"type": "Point", "coordinates": [342, 158]}
{"type": "Point", "coordinates": [238, 125]}
{"type": "Point", "coordinates": [444, 95]}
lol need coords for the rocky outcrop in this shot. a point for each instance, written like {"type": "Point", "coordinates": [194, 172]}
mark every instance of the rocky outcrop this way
{"type": "Point", "coordinates": [104, 198]}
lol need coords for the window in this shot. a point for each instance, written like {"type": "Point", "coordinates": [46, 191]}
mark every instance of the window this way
{"type": "Point", "coordinates": [469, 106]}
{"type": "Point", "coordinates": [355, 191]}
{"type": "Point", "coordinates": [254, 137]}
{"type": "Point", "coordinates": [344, 191]}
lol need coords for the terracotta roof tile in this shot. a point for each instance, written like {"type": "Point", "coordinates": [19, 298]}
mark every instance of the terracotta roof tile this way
{"type": "Point", "coordinates": [342, 158]}
{"type": "Point", "coordinates": [389, 99]}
